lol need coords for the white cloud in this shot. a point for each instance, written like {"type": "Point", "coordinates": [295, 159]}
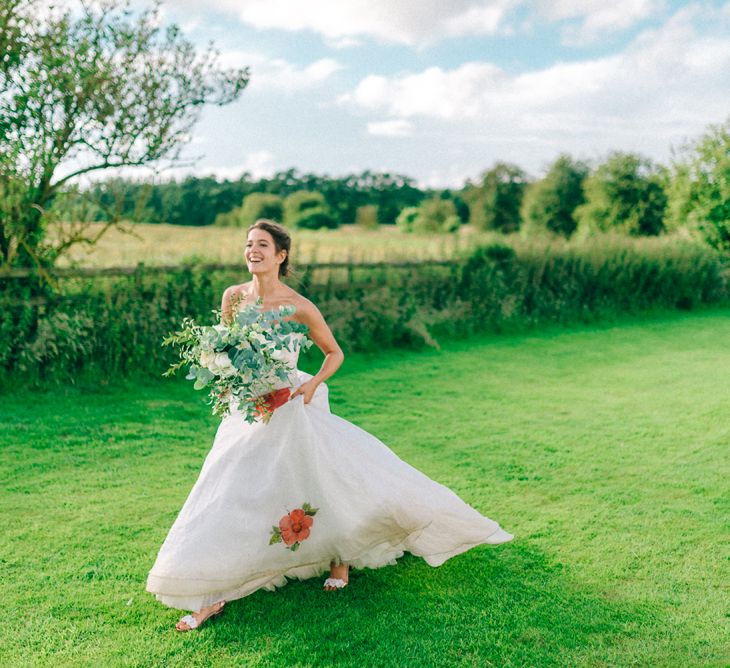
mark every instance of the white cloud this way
{"type": "Point", "coordinates": [669, 82]}
{"type": "Point", "coordinates": [278, 74]}
{"type": "Point", "coordinates": [591, 19]}
{"type": "Point", "coordinates": [398, 127]}
{"type": "Point", "coordinates": [450, 94]}
{"type": "Point", "coordinates": [260, 164]}
{"type": "Point", "coordinates": [423, 22]}
{"type": "Point", "coordinates": [486, 18]}
{"type": "Point", "coordinates": [342, 42]}
{"type": "Point", "coordinates": [411, 22]}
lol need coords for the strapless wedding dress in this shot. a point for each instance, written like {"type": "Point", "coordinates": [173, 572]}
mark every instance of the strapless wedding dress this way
{"type": "Point", "coordinates": [284, 499]}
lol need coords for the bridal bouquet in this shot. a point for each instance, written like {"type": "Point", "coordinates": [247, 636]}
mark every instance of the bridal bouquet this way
{"type": "Point", "coordinates": [241, 362]}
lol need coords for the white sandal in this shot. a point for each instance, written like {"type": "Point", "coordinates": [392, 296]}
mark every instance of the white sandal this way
{"type": "Point", "coordinates": [194, 623]}
{"type": "Point", "coordinates": [337, 583]}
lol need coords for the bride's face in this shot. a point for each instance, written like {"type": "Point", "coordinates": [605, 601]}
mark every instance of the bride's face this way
{"type": "Point", "coordinates": [261, 254]}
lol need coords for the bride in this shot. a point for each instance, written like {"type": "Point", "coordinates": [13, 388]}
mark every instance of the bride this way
{"type": "Point", "coordinates": [305, 492]}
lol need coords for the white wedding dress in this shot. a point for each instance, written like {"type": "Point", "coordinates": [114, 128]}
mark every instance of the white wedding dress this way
{"type": "Point", "coordinates": [328, 489]}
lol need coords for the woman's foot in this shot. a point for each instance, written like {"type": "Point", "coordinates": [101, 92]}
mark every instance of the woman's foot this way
{"type": "Point", "coordinates": [339, 577]}
{"type": "Point", "coordinates": [196, 619]}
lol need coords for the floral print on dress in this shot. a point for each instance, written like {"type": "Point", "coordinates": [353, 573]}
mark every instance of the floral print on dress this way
{"type": "Point", "coordinates": [294, 527]}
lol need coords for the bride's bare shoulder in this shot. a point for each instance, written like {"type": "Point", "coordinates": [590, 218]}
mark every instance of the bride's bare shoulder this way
{"type": "Point", "coordinates": [237, 290]}
{"type": "Point", "coordinates": [305, 308]}
{"type": "Point", "coordinates": [234, 294]}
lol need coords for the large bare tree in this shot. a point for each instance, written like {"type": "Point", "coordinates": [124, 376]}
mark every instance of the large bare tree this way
{"type": "Point", "coordinates": [84, 87]}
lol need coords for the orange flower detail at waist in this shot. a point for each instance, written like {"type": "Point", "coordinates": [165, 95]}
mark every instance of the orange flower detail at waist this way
{"type": "Point", "coordinates": [266, 404]}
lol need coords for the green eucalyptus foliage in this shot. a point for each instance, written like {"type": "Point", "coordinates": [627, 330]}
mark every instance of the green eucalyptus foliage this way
{"type": "Point", "coordinates": [237, 359]}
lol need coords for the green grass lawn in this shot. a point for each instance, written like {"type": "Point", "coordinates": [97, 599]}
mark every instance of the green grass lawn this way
{"type": "Point", "coordinates": [603, 449]}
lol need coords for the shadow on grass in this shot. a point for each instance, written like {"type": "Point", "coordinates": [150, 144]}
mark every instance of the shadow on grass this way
{"type": "Point", "coordinates": [506, 606]}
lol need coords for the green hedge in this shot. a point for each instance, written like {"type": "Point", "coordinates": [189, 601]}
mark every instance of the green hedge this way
{"type": "Point", "coordinates": [108, 327]}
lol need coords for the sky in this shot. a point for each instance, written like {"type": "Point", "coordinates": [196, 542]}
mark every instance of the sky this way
{"type": "Point", "coordinates": [440, 91]}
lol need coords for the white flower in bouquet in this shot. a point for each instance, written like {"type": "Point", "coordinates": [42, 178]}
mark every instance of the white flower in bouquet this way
{"type": "Point", "coordinates": [223, 366]}
{"type": "Point", "coordinates": [240, 363]}
{"type": "Point", "coordinates": [207, 358]}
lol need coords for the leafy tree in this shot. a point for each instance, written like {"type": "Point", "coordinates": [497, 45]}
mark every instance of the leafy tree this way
{"type": "Point", "coordinates": [436, 215]}
{"type": "Point", "coordinates": [255, 206]}
{"type": "Point", "coordinates": [406, 218]}
{"type": "Point", "coordinates": [624, 194]}
{"type": "Point", "coordinates": [699, 187]}
{"type": "Point", "coordinates": [366, 217]}
{"type": "Point", "coordinates": [389, 192]}
{"type": "Point", "coordinates": [299, 202]}
{"type": "Point", "coordinates": [309, 210]}
{"type": "Point", "coordinates": [195, 201]}
{"type": "Point", "coordinates": [86, 87]}
{"type": "Point", "coordinates": [494, 202]}
{"type": "Point", "coordinates": [462, 208]}
{"type": "Point", "coordinates": [315, 219]}
{"type": "Point", "coordinates": [261, 205]}
{"type": "Point", "coordinates": [549, 204]}
{"type": "Point", "coordinates": [230, 218]}
{"type": "Point", "coordinates": [452, 224]}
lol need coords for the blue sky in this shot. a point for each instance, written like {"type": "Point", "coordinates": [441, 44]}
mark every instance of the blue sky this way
{"type": "Point", "coordinates": [440, 91]}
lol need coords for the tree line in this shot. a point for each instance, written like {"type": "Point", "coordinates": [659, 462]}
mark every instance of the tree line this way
{"type": "Point", "coordinates": [207, 200]}
{"type": "Point", "coordinates": [625, 193]}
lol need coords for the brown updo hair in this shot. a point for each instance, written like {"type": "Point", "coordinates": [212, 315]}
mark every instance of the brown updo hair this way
{"type": "Point", "coordinates": [282, 240]}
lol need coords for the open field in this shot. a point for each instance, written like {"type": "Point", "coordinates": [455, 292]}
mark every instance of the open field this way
{"type": "Point", "coordinates": [169, 244]}
{"type": "Point", "coordinates": [604, 449]}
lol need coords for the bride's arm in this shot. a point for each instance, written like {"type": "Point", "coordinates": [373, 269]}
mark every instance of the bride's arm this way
{"type": "Point", "coordinates": [323, 338]}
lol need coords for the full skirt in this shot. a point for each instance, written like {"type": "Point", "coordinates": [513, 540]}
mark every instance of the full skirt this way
{"type": "Point", "coordinates": [284, 499]}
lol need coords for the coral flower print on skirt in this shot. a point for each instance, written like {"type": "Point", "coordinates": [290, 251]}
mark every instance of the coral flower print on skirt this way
{"type": "Point", "coordinates": [294, 527]}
